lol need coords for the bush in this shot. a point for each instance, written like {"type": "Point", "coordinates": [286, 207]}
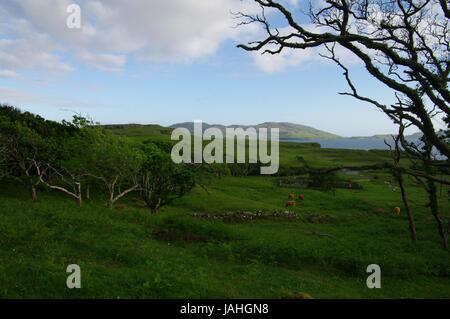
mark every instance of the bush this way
{"type": "Point", "coordinates": [161, 181]}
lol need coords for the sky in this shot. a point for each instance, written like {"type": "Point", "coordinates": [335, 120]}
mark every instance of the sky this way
{"type": "Point", "coordinates": [170, 61]}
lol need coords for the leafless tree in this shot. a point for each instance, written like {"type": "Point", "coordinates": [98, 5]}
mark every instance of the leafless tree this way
{"type": "Point", "coordinates": [404, 44]}
{"type": "Point", "coordinates": [399, 176]}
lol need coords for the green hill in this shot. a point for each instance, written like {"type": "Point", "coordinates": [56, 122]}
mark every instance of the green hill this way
{"type": "Point", "coordinates": [126, 252]}
{"type": "Point", "coordinates": [287, 130]}
{"type": "Point", "coordinates": [140, 131]}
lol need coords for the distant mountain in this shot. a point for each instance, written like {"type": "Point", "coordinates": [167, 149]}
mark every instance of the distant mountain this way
{"type": "Point", "coordinates": [415, 135]}
{"type": "Point", "coordinates": [388, 137]}
{"type": "Point", "coordinates": [287, 130]}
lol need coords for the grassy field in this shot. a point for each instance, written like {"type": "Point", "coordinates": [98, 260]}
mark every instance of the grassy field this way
{"type": "Point", "coordinates": [324, 251]}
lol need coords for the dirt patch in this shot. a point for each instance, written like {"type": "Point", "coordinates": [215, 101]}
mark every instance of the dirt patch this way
{"type": "Point", "coordinates": [174, 235]}
{"type": "Point", "coordinates": [190, 230]}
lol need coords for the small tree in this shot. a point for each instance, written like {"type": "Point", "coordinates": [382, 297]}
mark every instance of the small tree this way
{"type": "Point", "coordinates": [161, 181]}
{"type": "Point", "coordinates": [31, 144]}
{"type": "Point", "coordinates": [69, 170]}
{"type": "Point", "coordinates": [25, 150]}
{"type": "Point", "coordinates": [116, 163]}
{"type": "Point", "coordinates": [326, 181]}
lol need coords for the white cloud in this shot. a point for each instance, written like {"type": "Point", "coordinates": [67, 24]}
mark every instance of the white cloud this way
{"type": "Point", "coordinates": [13, 96]}
{"type": "Point", "coordinates": [294, 3]}
{"type": "Point", "coordinates": [103, 62]}
{"type": "Point", "coordinates": [18, 97]}
{"type": "Point", "coordinates": [34, 33]}
{"type": "Point", "coordinates": [287, 58]}
{"type": "Point", "coordinates": [9, 74]}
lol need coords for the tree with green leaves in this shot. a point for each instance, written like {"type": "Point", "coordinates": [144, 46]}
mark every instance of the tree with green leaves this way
{"type": "Point", "coordinates": [68, 171]}
{"type": "Point", "coordinates": [31, 144]}
{"type": "Point", "coordinates": [116, 162]}
{"type": "Point", "coordinates": [66, 174]}
{"type": "Point", "coordinates": [26, 149]}
{"type": "Point", "coordinates": [161, 181]}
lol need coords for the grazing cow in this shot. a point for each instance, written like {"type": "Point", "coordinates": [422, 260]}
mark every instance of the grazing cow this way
{"type": "Point", "coordinates": [301, 197]}
{"type": "Point", "coordinates": [290, 203]}
{"type": "Point", "coordinates": [291, 196]}
{"type": "Point", "coordinates": [397, 210]}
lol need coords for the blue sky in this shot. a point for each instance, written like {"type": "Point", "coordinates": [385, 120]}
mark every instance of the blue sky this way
{"type": "Point", "coordinates": [174, 66]}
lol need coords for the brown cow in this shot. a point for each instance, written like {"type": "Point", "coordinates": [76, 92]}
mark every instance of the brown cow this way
{"type": "Point", "coordinates": [290, 203]}
{"type": "Point", "coordinates": [301, 197]}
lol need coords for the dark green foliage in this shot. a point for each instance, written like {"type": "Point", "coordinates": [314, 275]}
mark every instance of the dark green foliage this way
{"type": "Point", "coordinates": [325, 181]}
{"type": "Point", "coordinates": [31, 143]}
{"type": "Point", "coordinates": [71, 156]}
{"type": "Point", "coordinates": [114, 162]}
{"type": "Point", "coordinates": [42, 127]}
{"type": "Point", "coordinates": [161, 181]}
{"type": "Point", "coordinates": [245, 169]}
{"type": "Point", "coordinates": [163, 145]}
{"type": "Point", "coordinates": [3, 161]}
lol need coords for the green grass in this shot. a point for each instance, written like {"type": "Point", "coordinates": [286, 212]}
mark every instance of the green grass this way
{"type": "Point", "coordinates": [141, 132]}
{"type": "Point", "coordinates": [127, 252]}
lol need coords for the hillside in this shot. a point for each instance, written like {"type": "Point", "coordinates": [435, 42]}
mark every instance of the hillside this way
{"type": "Point", "coordinates": [388, 137]}
{"type": "Point", "coordinates": [287, 130]}
{"type": "Point", "coordinates": [126, 252]}
{"type": "Point", "coordinates": [139, 130]}
{"type": "Point", "coordinates": [231, 237]}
